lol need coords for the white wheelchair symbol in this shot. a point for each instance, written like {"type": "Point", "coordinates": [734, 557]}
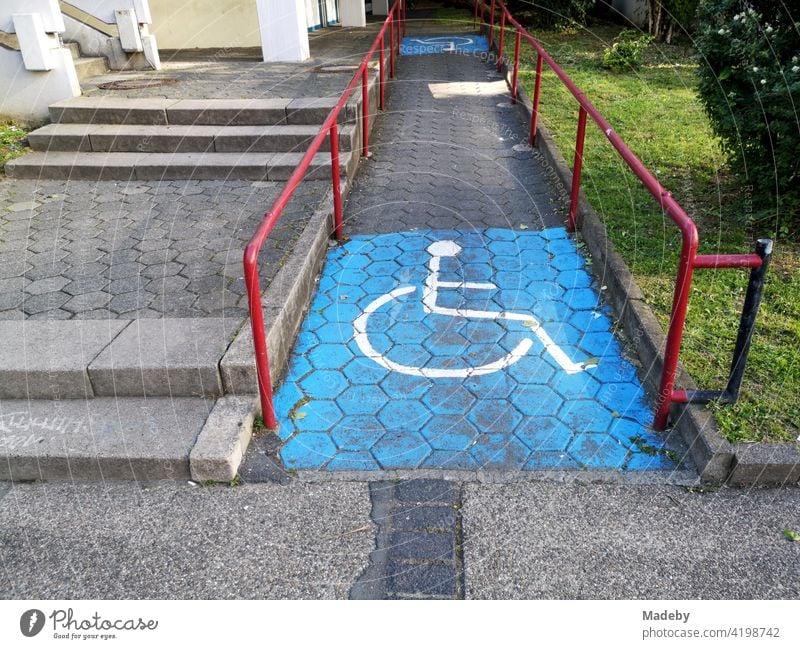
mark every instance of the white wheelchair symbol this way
{"type": "Point", "coordinates": [453, 43]}
{"type": "Point", "coordinates": [430, 295]}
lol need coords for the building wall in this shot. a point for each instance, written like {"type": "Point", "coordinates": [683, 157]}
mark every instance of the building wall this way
{"type": "Point", "coordinates": [186, 24]}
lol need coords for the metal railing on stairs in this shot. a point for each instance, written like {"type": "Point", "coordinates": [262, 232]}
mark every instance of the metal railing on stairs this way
{"type": "Point", "coordinates": [395, 26]}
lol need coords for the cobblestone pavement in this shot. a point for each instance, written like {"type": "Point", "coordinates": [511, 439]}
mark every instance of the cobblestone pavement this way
{"type": "Point", "coordinates": [119, 250]}
{"type": "Point", "coordinates": [450, 153]}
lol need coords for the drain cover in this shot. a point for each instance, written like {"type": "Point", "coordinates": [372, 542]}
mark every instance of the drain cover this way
{"type": "Point", "coordinates": [328, 69]}
{"type": "Point", "coordinates": [136, 84]}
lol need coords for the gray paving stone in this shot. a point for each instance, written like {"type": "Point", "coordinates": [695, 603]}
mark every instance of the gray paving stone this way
{"type": "Point", "coordinates": [428, 546]}
{"type": "Point", "coordinates": [48, 360]}
{"type": "Point", "coordinates": [420, 517]}
{"type": "Point", "coordinates": [99, 438]}
{"type": "Point", "coordinates": [427, 491]}
{"type": "Point", "coordinates": [426, 579]}
{"type": "Point", "coordinates": [164, 357]}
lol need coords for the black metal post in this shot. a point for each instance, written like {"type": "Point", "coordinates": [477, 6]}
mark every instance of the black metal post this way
{"type": "Point", "coordinates": [752, 300]}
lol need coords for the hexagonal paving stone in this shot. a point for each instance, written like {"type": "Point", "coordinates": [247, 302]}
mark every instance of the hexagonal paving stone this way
{"type": "Point", "coordinates": [649, 462]}
{"type": "Point", "coordinates": [543, 434]}
{"type": "Point", "coordinates": [581, 385]}
{"type": "Point", "coordinates": [329, 356]}
{"type": "Point", "coordinates": [362, 400]}
{"type": "Point", "coordinates": [307, 451]}
{"type": "Point", "coordinates": [500, 452]}
{"type": "Point", "coordinates": [405, 386]}
{"type": "Point", "coordinates": [449, 432]}
{"type": "Point", "coordinates": [537, 400]}
{"type": "Point", "coordinates": [401, 450]}
{"type": "Point", "coordinates": [622, 397]}
{"type": "Point", "coordinates": [353, 461]}
{"type": "Point", "coordinates": [324, 384]}
{"type": "Point", "coordinates": [449, 399]}
{"type": "Point", "coordinates": [357, 432]}
{"type": "Point", "coordinates": [298, 368]}
{"type": "Point", "coordinates": [531, 369]}
{"type": "Point", "coordinates": [404, 414]}
{"type": "Point", "coordinates": [598, 451]}
{"type": "Point", "coordinates": [316, 415]}
{"type": "Point", "coordinates": [585, 416]}
{"type": "Point", "coordinates": [494, 415]}
{"type": "Point", "coordinates": [364, 371]}
{"type": "Point", "coordinates": [408, 333]}
{"type": "Point", "coordinates": [451, 460]}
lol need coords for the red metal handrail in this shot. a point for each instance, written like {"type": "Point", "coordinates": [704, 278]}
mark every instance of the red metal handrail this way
{"type": "Point", "coordinates": [689, 259]}
{"type": "Point", "coordinates": [394, 21]}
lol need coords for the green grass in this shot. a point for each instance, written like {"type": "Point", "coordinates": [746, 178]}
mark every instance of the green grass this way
{"type": "Point", "coordinates": [657, 112]}
{"type": "Point", "coordinates": [10, 146]}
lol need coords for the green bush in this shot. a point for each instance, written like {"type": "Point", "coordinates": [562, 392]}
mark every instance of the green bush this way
{"type": "Point", "coordinates": [625, 53]}
{"type": "Point", "coordinates": [749, 68]}
{"type": "Point", "coordinates": [551, 13]}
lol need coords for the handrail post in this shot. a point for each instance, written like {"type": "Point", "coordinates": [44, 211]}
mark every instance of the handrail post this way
{"type": "Point", "coordinates": [577, 165]}
{"type": "Point", "coordinates": [537, 84]}
{"type": "Point", "coordinates": [483, 7]}
{"type": "Point", "coordinates": [391, 46]}
{"type": "Point", "coordinates": [259, 339]}
{"type": "Point", "coordinates": [502, 40]}
{"type": "Point", "coordinates": [680, 305]}
{"type": "Point", "coordinates": [365, 112]}
{"type": "Point", "coordinates": [381, 53]}
{"type": "Point", "coordinates": [491, 26]}
{"type": "Point", "coordinates": [516, 68]}
{"type": "Point", "coordinates": [335, 181]}
{"type": "Point", "coordinates": [475, 16]}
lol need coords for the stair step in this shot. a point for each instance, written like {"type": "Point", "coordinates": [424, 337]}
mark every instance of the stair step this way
{"type": "Point", "coordinates": [124, 438]}
{"type": "Point", "coordinates": [90, 66]}
{"type": "Point", "coordinates": [182, 139]}
{"type": "Point", "coordinates": [68, 165]}
{"type": "Point", "coordinates": [106, 109]}
{"type": "Point", "coordinates": [74, 49]}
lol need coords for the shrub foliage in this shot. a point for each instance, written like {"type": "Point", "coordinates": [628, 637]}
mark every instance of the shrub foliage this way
{"type": "Point", "coordinates": [749, 67]}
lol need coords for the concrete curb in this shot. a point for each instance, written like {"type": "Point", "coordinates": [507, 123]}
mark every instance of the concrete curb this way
{"type": "Point", "coordinates": [717, 459]}
{"type": "Point", "coordinates": [222, 442]}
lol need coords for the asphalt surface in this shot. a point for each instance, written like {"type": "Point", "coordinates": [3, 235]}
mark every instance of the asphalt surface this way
{"type": "Point", "coordinates": [165, 541]}
{"type": "Point", "coordinates": [547, 540]}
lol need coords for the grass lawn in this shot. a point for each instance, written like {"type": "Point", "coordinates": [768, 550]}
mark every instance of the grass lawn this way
{"type": "Point", "coordinates": [657, 112]}
{"type": "Point", "coordinates": [10, 147]}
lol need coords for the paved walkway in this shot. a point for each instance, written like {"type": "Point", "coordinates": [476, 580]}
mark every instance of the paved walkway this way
{"type": "Point", "coordinates": [99, 250]}
{"type": "Point", "coordinates": [460, 327]}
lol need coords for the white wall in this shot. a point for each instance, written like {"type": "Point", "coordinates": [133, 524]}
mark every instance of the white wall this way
{"type": "Point", "coordinates": [186, 24]}
{"type": "Point", "coordinates": [25, 95]}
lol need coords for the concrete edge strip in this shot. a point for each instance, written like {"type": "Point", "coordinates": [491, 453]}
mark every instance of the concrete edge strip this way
{"type": "Point", "coordinates": [716, 458]}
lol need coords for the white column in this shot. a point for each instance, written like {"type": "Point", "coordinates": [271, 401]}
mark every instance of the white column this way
{"type": "Point", "coordinates": [380, 7]}
{"type": "Point", "coordinates": [353, 13]}
{"type": "Point", "coordinates": [284, 35]}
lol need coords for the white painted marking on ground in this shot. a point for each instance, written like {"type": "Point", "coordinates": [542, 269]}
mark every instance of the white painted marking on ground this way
{"type": "Point", "coordinates": [430, 294]}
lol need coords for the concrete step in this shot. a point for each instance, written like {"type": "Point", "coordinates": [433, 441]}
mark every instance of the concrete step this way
{"type": "Point", "coordinates": [90, 66]}
{"type": "Point", "coordinates": [124, 438]}
{"type": "Point", "coordinates": [283, 138]}
{"type": "Point", "coordinates": [105, 109]}
{"type": "Point", "coordinates": [68, 165]}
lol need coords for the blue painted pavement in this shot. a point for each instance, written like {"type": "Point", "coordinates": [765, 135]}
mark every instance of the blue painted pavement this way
{"type": "Point", "coordinates": [504, 358]}
{"type": "Point", "coordinates": [464, 44]}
